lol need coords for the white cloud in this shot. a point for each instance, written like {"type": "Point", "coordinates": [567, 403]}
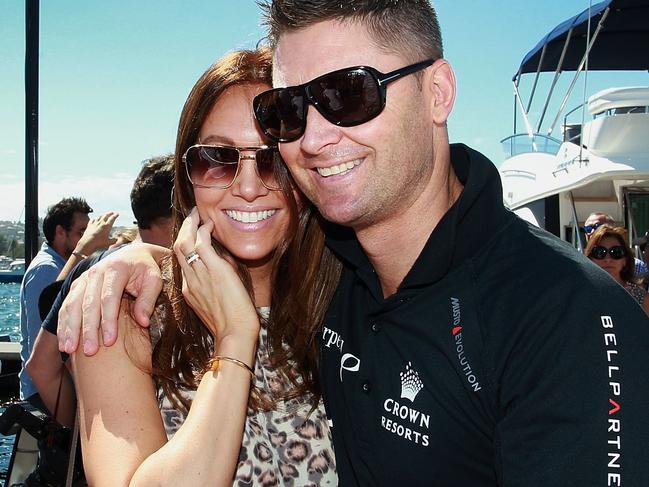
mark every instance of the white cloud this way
{"type": "Point", "coordinates": [102, 194]}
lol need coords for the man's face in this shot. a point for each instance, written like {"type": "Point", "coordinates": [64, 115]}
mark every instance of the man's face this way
{"type": "Point", "coordinates": [72, 236]}
{"type": "Point", "coordinates": [362, 175]}
{"type": "Point", "coordinates": [594, 221]}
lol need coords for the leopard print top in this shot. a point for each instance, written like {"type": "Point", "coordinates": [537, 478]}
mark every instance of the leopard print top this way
{"type": "Point", "coordinates": [285, 446]}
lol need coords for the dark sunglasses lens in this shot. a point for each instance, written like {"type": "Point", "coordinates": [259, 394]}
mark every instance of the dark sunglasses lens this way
{"type": "Point", "coordinates": [281, 113]}
{"type": "Point", "coordinates": [617, 252]}
{"type": "Point", "coordinates": [598, 253]}
{"type": "Point", "coordinates": [348, 98]}
{"type": "Point", "coordinates": [212, 166]}
{"type": "Point", "coordinates": [270, 167]}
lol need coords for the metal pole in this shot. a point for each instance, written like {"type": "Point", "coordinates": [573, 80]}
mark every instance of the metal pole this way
{"type": "Point", "coordinates": [31, 128]}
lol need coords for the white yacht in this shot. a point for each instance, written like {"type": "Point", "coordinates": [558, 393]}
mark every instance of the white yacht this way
{"type": "Point", "coordinates": [598, 163]}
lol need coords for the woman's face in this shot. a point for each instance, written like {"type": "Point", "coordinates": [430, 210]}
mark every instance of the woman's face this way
{"type": "Point", "coordinates": [612, 266]}
{"type": "Point", "coordinates": [249, 219]}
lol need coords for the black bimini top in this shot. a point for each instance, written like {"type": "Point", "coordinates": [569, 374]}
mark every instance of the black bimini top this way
{"type": "Point", "coordinates": [622, 43]}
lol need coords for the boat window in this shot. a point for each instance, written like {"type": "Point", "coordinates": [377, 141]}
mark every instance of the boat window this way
{"type": "Point", "coordinates": [623, 110]}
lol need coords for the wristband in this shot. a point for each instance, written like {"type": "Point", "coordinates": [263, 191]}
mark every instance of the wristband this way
{"type": "Point", "coordinates": [79, 254]}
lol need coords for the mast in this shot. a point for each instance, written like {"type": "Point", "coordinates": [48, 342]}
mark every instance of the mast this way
{"type": "Point", "coordinates": [31, 128]}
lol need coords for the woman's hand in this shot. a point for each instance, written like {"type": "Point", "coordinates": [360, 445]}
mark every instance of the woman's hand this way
{"type": "Point", "coordinates": [94, 298]}
{"type": "Point", "coordinates": [211, 285]}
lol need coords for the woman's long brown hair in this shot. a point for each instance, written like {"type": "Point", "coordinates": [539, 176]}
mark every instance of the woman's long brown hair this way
{"type": "Point", "coordinates": [304, 277]}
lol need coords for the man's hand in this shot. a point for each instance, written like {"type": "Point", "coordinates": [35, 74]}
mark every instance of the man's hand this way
{"type": "Point", "coordinates": [95, 297]}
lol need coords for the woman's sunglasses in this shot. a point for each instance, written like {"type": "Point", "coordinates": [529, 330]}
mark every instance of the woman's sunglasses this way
{"type": "Point", "coordinates": [599, 252]}
{"type": "Point", "coordinates": [346, 97]}
{"type": "Point", "coordinates": [217, 166]}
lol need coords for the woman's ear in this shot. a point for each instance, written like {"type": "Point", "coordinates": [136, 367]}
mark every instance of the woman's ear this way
{"type": "Point", "coordinates": [440, 80]}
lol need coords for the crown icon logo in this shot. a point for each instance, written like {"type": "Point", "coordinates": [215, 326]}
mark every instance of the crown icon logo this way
{"type": "Point", "coordinates": [411, 384]}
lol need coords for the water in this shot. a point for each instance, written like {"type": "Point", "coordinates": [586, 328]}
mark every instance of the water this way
{"type": "Point", "coordinates": [9, 325]}
{"type": "Point", "coordinates": [10, 310]}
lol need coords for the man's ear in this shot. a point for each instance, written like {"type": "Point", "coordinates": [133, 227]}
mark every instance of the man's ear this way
{"type": "Point", "coordinates": [59, 233]}
{"type": "Point", "coordinates": [440, 80]}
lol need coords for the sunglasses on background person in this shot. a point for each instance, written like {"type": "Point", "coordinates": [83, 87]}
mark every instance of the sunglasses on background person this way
{"type": "Point", "coordinates": [599, 253]}
{"type": "Point", "coordinates": [346, 97]}
{"type": "Point", "coordinates": [217, 166]}
{"type": "Point", "coordinates": [588, 229]}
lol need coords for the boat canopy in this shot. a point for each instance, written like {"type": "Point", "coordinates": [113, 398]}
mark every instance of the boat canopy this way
{"type": "Point", "coordinates": [622, 41]}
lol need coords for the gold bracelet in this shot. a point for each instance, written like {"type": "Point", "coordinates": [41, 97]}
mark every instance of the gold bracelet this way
{"type": "Point", "coordinates": [80, 255]}
{"type": "Point", "coordinates": [213, 364]}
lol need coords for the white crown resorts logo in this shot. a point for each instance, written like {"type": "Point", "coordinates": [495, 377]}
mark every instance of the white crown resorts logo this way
{"type": "Point", "coordinates": [411, 384]}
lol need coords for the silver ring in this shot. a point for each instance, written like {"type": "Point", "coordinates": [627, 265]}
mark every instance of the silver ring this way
{"type": "Point", "coordinates": [192, 257]}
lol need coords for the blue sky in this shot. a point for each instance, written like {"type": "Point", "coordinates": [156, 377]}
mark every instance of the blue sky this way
{"type": "Point", "coordinates": [114, 76]}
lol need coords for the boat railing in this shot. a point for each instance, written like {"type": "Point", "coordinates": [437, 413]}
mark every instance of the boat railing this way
{"type": "Point", "coordinates": [572, 130]}
{"type": "Point", "coordinates": [524, 143]}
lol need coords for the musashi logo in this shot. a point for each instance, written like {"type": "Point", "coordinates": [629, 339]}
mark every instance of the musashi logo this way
{"type": "Point", "coordinates": [456, 331]}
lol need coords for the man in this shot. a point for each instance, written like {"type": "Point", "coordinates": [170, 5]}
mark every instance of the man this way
{"type": "Point", "coordinates": [151, 201]}
{"type": "Point", "coordinates": [151, 205]}
{"type": "Point", "coordinates": [64, 226]}
{"type": "Point", "coordinates": [443, 361]}
{"type": "Point", "coordinates": [594, 221]}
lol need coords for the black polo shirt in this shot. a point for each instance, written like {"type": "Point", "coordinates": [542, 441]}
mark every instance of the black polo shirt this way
{"type": "Point", "coordinates": [504, 358]}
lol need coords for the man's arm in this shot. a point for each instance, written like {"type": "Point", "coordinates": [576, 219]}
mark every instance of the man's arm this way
{"type": "Point", "coordinates": [51, 378]}
{"type": "Point", "coordinates": [94, 299]}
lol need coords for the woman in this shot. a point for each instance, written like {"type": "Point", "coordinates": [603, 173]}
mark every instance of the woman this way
{"type": "Point", "coordinates": [252, 418]}
{"type": "Point", "coordinates": [608, 249]}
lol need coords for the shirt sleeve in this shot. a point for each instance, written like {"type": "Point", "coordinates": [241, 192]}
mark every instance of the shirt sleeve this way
{"type": "Point", "coordinates": [35, 282]}
{"type": "Point", "coordinates": [571, 389]}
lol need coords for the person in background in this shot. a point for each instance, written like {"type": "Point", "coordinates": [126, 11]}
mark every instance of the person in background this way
{"type": "Point", "coordinates": [151, 205]}
{"type": "Point", "coordinates": [609, 249]}
{"type": "Point", "coordinates": [151, 201]}
{"type": "Point", "coordinates": [70, 236]}
{"type": "Point", "coordinates": [124, 237]}
{"type": "Point", "coordinates": [594, 221]}
{"type": "Point", "coordinates": [597, 219]}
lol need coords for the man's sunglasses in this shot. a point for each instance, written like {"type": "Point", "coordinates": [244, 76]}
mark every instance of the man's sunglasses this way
{"type": "Point", "coordinates": [217, 166]}
{"type": "Point", "coordinates": [599, 252]}
{"type": "Point", "coordinates": [346, 97]}
{"type": "Point", "coordinates": [588, 229]}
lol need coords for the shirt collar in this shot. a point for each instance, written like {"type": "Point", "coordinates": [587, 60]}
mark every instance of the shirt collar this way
{"type": "Point", "coordinates": [55, 255]}
{"type": "Point", "coordinates": [478, 213]}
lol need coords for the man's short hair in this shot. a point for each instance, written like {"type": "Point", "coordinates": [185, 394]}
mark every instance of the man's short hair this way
{"type": "Point", "coordinates": [62, 213]}
{"type": "Point", "coordinates": [607, 219]}
{"type": "Point", "coordinates": [151, 193]}
{"type": "Point", "coordinates": [406, 27]}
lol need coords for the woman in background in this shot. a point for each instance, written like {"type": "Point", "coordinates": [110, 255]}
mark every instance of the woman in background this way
{"type": "Point", "coordinates": [608, 248]}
